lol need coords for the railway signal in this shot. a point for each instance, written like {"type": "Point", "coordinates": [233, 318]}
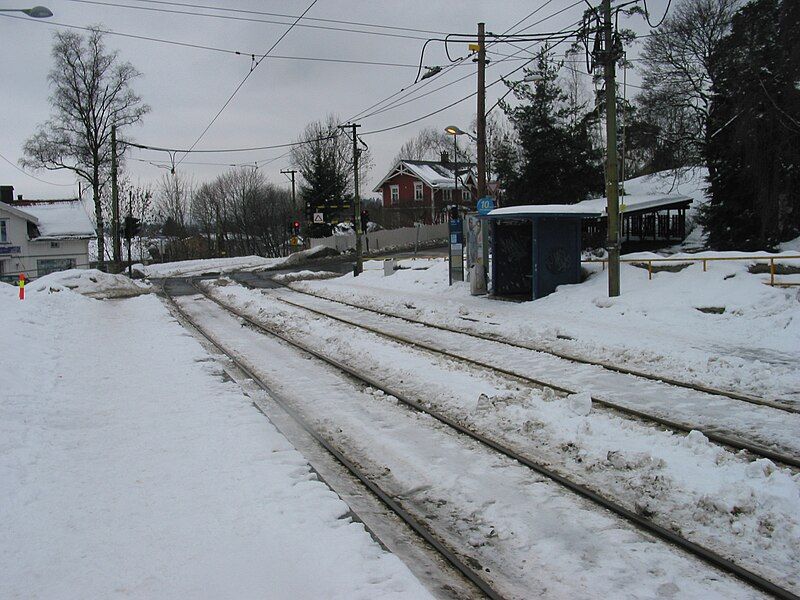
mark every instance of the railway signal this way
{"type": "Point", "coordinates": [132, 227]}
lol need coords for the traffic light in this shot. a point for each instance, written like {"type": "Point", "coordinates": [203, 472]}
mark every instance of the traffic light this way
{"type": "Point", "coordinates": [364, 220]}
{"type": "Point", "coordinates": [132, 226]}
{"type": "Point", "coordinates": [296, 227]}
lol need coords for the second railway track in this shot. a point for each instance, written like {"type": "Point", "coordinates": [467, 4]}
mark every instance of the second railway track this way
{"type": "Point", "coordinates": [707, 389]}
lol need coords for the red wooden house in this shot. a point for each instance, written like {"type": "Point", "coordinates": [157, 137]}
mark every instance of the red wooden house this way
{"type": "Point", "coordinates": [422, 190]}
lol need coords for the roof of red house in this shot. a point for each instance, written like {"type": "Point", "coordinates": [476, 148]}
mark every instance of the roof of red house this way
{"type": "Point", "coordinates": [438, 175]}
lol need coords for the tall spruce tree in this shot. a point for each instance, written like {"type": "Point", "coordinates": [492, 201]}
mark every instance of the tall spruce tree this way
{"type": "Point", "coordinates": [555, 161]}
{"type": "Point", "coordinates": [753, 151]}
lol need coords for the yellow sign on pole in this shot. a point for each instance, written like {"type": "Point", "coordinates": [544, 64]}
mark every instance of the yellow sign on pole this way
{"type": "Point", "coordinates": [475, 47]}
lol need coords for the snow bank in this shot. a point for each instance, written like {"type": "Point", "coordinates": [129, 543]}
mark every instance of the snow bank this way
{"type": "Point", "coordinates": [207, 265]}
{"type": "Point", "coordinates": [89, 282]}
{"type": "Point", "coordinates": [304, 276]}
{"type": "Point", "coordinates": [129, 466]}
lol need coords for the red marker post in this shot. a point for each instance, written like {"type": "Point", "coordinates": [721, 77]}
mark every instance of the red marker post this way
{"type": "Point", "coordinates": [22, 286]}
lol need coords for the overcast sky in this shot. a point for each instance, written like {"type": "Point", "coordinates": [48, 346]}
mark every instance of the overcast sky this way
{"type": "Point", "coordinates": [187, 86]}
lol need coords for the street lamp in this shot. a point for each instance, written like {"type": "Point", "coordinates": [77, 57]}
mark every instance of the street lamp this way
{"type": "Point", "coordinates": [455, 132]}
{"type": "Point", "coordinates": [37, 12]}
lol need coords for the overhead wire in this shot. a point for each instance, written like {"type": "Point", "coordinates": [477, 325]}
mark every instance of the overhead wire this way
{"type": "Point", "coordinates": [442, 109]}
{"type": "Point", "coordinates": [270, 14]}
{"type": "Point", "coordinates": [647, 14]}
{"type": "Point", "coordinates": [24, 172]}
{"type": "Point", "coordinates": [362, 115]}
{"type": "Point", "coordinates": [194, 46]}
{"type": "Point", "coordinates": [247, 19]}
{"type": "Point", "coordinates": [246, 77]}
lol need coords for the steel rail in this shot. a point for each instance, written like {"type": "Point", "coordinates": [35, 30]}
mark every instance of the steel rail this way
{"type": "Point", "coordinates": [603, 364]}
{"type": "Point", "coordinates": [733, 442]}
{"type": "Point", "coordinates": [449, 556]}
{"type": "Point", "coordinates": [706, 555]}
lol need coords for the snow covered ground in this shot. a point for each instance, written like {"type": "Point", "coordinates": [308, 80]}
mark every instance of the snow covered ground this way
{"type": "Point", "coordinates": [130, 467]}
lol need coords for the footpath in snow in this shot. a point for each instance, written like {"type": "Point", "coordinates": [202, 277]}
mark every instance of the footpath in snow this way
{"type": "Point", "coordinates": [130, 466]}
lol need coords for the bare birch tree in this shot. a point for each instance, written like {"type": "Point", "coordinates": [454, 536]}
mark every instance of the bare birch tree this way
{"type": "Point", "coordinates": [91, 92]}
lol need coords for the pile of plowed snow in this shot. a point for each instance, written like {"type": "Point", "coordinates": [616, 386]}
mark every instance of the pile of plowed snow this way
{"type": "Point", "coordinates": [90, 282]}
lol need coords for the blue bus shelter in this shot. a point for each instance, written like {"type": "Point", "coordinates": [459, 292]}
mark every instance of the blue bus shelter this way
{"type": "Point", "coordinates": [535, 249]}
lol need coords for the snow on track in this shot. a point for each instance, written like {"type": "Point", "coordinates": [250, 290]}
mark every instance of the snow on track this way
{"type": "Point", "coordinates": [130, 467]}
{"type": "Point", "coordinates": [705, 492]}
{"type": "Point", "coordinates": [529, 532]}
{"type": "Point", "coordinates": [655, 325]}
{"type": "Point", "coordinates": [769, 427]}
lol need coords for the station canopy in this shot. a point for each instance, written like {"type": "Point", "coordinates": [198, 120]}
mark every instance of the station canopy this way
{"type": "Point", "coordinates": [594, 208]}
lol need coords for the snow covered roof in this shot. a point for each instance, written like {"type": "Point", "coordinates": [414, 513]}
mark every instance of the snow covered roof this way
{"type": "Point", "coordinates": [595, 207]}
{"type": "Point", "coordinates": [437, 175]}
{"type": "Point", "coordinates": [57, 219]}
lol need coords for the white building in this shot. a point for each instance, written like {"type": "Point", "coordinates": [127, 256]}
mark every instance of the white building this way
{"type": "Point", "coordinates": [38, 237]}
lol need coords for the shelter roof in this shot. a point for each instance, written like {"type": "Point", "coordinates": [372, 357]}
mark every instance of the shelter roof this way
{"type": "Point", "coordinates": [595, 207]}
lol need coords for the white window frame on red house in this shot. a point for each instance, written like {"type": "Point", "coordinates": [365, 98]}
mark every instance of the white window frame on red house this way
{"type": "Point", "coordinates": [466, 195]}
{"type": "Point", "coordinates": [394, 193]}
{"type": "Point", "coordinates": [419, 191]}
{"type": "Point", "coordinates": [447, 195]}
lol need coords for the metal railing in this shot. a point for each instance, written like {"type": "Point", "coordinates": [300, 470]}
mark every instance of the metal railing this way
{"type": "Point", "coordinates": [705, 260]}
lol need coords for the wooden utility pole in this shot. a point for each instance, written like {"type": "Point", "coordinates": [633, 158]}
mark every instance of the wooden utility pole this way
{"type": "Point", "coordinates": [612, 179]}
{"type": "Point", "coordinates": [481, 120]}
{"type": "Point", "coordinates": [291, 172]}
{"type": "Point", "coordinates": [357, 199]}
{"type": "Point", "coordinates": [116, 250]}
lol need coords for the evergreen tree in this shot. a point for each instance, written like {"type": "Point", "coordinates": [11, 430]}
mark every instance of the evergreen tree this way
{"type": "Point", "coordinates": [556, 161]}
{"type": "Point", "coordinates": [753, 151]}
{"type": "Point", "coordinates": [324, 158]}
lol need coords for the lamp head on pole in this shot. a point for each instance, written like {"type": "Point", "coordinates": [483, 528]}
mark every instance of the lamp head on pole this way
{"type": "Point", "coordinates": [38, 12]}
{"type": "Point", "coordinates": [453, 130]}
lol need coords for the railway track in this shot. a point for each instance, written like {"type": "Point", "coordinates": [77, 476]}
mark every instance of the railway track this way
{"type": "Point", "coordinates": [715, 391]}
{"type": "Point", "coordinates": [450, 557]}
{"type": "Point", "coordinates": [679, 427]}
{"type": "Point", "coordinates": [711, 432]}
{"type": "Point", "coordinates": [707, 555]}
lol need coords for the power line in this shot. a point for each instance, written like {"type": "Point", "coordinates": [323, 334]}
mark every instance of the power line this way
{"type": "Point", "coordinates": [269, 14]}
{"type": "Point", "coordinates": [246, 77]}
{"type": "Point", "coordinates": [24, 172]}
{"type": "Point", "coordinates": [468, 75]}
{"type": "Point", "coordinates": [647, 14]}
{"type": "Point", "coordinates": [397, 101]}
{"type": "Point", "coordinates": [246, 19]}
{"type": "Point", "coordinates": [222, 50]}
{"type": "Point", "coordinates": [358, 115]}
{"type": "Point", "coordinates": [430, 114]}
